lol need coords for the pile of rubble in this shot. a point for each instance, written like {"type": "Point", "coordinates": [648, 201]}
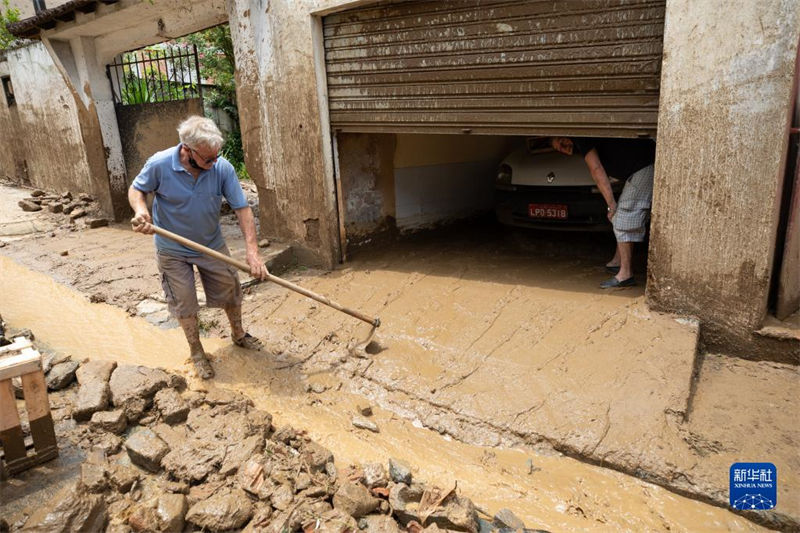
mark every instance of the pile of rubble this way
{"type": "Point", "coordinates": [73, 208]}
{"type": "Point", "coordinates": [160, 457]}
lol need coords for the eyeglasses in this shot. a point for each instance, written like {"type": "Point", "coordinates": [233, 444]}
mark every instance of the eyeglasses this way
{"type": "Point", "coordinates": [203, 159]}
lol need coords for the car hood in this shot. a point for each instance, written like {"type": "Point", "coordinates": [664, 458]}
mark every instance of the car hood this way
{"type": "Point", "coordinates": [549, 169]}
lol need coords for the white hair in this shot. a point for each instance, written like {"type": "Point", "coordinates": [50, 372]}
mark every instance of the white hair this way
{"type": "Point", "coordinates": [200, 131]}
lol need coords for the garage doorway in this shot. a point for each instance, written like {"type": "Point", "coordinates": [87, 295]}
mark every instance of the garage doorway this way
{"type": "Point", "coordinates": [411, 84]}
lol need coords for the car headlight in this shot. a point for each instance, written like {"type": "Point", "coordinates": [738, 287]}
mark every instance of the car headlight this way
{"type": "Point", "coordinates": [504, 174]}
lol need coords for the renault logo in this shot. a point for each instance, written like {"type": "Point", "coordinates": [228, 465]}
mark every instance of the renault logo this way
{"type": "Point", "coordinates": [551, 177]}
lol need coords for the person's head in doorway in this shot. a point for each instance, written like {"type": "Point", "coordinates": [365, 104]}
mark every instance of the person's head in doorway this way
{"type": "Point", "coordinates": [201, 140]}
{"type": "Point", "coordinates": [562, 144]}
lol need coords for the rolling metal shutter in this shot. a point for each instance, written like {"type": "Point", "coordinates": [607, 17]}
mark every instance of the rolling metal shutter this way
{"type": "Point", "coordinates": [571, 67]}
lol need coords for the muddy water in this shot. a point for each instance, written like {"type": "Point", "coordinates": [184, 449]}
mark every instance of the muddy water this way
{"type": "Point", "coordinates": [546, 491]}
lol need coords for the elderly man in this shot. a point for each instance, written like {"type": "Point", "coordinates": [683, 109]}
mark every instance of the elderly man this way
{"type": "Point", "coordinates": [631, 160]}
{"type": "Point", "coordinates": [189, 182]}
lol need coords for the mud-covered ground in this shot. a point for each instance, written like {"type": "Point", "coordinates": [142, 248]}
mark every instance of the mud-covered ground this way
{"type": "Point", "coordinates": [498, 341]}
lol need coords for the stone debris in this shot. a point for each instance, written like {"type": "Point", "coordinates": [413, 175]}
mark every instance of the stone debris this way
{"type": "Point", "coordinates": [56, 207]}
{"type": "Point", "coordinates": [211, 461]}
{"type": "Point", "coordinates": [61, 375]}
{"type": "Point", "coordinates": [75, 214]}
{"type": "Point", "coordinates": [29, 206]}
{"type": "Point", "coordinates": [263, 243]}
{"type": "Point", "coordinates": [37, 192]}
{"type": "Point", "coordinates": [64, 253]}
{"type": "Point", "coordinates": [146, 450]}
{"type": "Point", "coordinates": [96, 222]}
{"type": "Point", "coordinates": [363, 423]}
{"type": "Point", "coordinates": [364, 410]}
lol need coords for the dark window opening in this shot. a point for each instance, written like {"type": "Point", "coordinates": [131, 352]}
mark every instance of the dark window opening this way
{"type": "Point", "coordinates": [8, 89]}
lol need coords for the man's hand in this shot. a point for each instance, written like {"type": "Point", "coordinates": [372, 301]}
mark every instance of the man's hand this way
{"type": "Point", "coordinates": [142, 223]}
{"type": "Point", "coordinates": [612, 210]}
{"type": "Point", "coordinates": [257, 267]}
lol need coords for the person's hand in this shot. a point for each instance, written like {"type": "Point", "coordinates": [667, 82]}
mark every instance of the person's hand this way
{"type": "Point", "coordinates": [257, 267]}
{"type": "Point", "coordinates": [142, 223]}
{"type": "Point", "coordinates": [612, 210]}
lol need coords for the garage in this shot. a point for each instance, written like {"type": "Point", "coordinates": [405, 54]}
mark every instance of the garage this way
{"type": "Point", "coordinates": [426, 99]}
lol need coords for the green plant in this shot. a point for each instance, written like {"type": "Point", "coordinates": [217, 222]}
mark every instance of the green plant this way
{"type": "Point", "coordinates": [8, 15]}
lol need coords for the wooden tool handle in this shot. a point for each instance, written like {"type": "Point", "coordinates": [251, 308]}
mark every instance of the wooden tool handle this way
{"type": "Point", "coordinates": [241, 265]}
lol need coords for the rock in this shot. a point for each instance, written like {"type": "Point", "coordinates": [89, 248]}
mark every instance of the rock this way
{"type": "Point", "coordinates": [70, 207]}
{"type": "Point", "coordinates": [56, 207]}
{"type": "Point", "coordinates": [96, 222]}
{"type": "Point", "coordinates": [173, 436]}
{"type": "Point", "coordinates": [455, 512]}
{"type": "Point", "coordinates": [63, 253]}
{"type": "Point", "coordinates": [83, 197]}
{"type": "Point", "coordinates": [122, 477]}
{"type": "Point", "coordinates": [108, 442]}
{"type": "Point", "coordinates": [171, 511]}
{"type": "Point", "coordinates": [29, 206]}
{"type": "Point", "coordinates": [221, 512]}
{"type": "Point", "coordinates": [143, 518]}
{"type": "Point", "coordinates": [95, 370]}
{"type": "Point", "coordinates": [172, 407]}
{"type": "Point", "coordinates": [194, 460]}
{"type": "Point", "coordinates": [316, 456]}
{"type": "Point", "coordinates": [505, 519]}
{"type": "Point", "coordinates": [363, 423]}
{"type": "Point", "coordinates": [263, 243]}
{"type": "Point", "coordinates": [226, 397]}
{"type": "Point", "coordinates": [364, 410]}
{"type": "Point", "coordinates": [375, 475]}
{"type": "Point", "coordinates": [61, 375]}
{"type": "Point", "coordinates": [354, 499]}
{"type": "Point", "coordinates": [282, 497]}
{"type": "Point", "coordinates": [113, 421]}
{"type": "Point", "coordinates": [376, 523]}
{"type": "Point", "coordinates": [399, 472]}
{"type": "Point", "coordinates": [97, 297]}
{"type": "Point", "coordinates": [240, 453]}
{"type": "Point", "coordinates": [146, 450]}
{"type": "Point", "coordinates": [129, 382]}
{"type": "Point", "coordinates": [302, 482]}
{"type": "Point", "coordinates": [72, 509]}
{"type": "Point", "coordinates": [176, 487]}
{"type": "Point", "coordinates": [336, 521]}
{"type": "Point", "coordinates": [93, 396]}
{"type": "Point", "coordinates": [66, 195]}
{"type": "Point", "coordinates": [260, 521]}
{"type": "Point", "coordinates": [37, 192]}
{"type": "Point", "coordinates": [93, 477]}
{"type": "Point", "coordinates": [75, 214]}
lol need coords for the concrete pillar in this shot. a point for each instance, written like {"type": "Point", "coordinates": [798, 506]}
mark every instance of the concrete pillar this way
{"type": "Point", "coordinates": [281, 106]}
{"type": "Point", "coordinates": [722, 135]}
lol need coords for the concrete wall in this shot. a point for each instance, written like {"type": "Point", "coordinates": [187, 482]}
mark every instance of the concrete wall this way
{"type": "Point", "coordinates": [445, 177]}
{"type": "Point", "coordinates": [12, 157]}
{"type": "Point", "coordinates": [49, 127]}
{"type": "Point", "coordinates": [148, 128]}
{"type": "Point", "coordinates": [367, 176]}
{"type": "Point", "coordinates": [722, 134]}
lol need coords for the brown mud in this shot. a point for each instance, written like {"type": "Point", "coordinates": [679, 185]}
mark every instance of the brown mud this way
{"type": "Point", "coordinates": [505, 348]}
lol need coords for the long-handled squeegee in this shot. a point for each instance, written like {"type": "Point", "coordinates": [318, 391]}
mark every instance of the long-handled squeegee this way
{"type": "Point", "coordinates": [241, 265]}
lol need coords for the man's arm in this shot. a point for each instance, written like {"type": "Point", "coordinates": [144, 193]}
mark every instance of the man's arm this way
{"type": "Point", "coordinates": [601, 180]}
{"type": "Point", "coordinates": [141, 220]}
{"type": "Point", "coordinates": [248, 226]}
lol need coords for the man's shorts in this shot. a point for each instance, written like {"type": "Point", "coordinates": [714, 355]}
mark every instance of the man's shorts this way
{"type": "Point", "coordinates": [220, 282]}
{"type": "Point", "coordinates": [633, 206]}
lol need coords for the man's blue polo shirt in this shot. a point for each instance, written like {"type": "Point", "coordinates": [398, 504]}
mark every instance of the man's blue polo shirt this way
{"type": "Point", "coordinates": [187, 206]}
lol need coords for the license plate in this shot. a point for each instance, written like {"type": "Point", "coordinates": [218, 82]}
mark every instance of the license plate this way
{"type": "Point", "coordinates": [558, 211]}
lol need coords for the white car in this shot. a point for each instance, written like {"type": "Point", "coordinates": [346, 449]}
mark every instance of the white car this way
{"type": "Point", "coordinates": [539, 187]}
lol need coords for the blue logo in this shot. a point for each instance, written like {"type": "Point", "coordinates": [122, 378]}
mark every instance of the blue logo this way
{"type": "Point", "coordinates": [753, 486]}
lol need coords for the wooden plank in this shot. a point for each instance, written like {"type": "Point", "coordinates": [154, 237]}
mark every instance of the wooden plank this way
{"type": "Point", "coordinates": [17, 365]}
{"type": "Point", "coordinates": [35, 390]}
{"type": "Point", "coordinates": [18, 344]}
{"type": "Point", "coordinates": [10, 428]}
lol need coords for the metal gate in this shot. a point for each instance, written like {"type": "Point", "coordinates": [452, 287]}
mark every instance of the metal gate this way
{"type": "Point", "coordinates": [571, 67]}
